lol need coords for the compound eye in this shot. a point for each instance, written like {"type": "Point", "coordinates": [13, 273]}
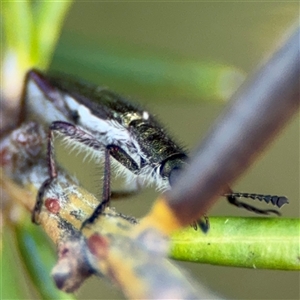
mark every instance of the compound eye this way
{"type": "Point", "coordinates": [174, 174]}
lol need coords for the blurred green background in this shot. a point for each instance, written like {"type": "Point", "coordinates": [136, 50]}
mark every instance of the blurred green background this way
{"type": "Point", "coordinates": [238, 34]}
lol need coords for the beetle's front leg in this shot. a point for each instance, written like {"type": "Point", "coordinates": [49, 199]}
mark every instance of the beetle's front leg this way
{"type": "Point", "coordinates": [75, 134]}
{"type": "Point", "coordinates": [46, 184]}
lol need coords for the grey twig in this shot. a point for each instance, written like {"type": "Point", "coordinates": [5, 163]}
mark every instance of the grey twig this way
{"type": "Point", "coordinates": [256, 114]}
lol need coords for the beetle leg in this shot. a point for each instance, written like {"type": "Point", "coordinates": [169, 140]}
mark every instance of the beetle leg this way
{"type": "Point", "coordinates": [120, 155]}
{"type": "Point", "coordinates": [105, 192]}
{"type": "Point", "coordinates": [80, 136]}
{"type": "Point", "coordinates": [202, 223]}
{"type": "Point", "coordinates": [75, 134]}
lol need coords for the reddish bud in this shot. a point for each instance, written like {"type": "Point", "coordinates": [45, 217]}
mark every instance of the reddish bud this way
{"type": "Point", "coordinates": [5, 157]}
{"type": "Point", "coordinates": [52, 205]}
{"type": "Point", "coordinates": [98, 245]}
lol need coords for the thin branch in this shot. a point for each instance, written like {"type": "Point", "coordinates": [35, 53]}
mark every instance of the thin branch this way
{"type": "Point", "coordinates": [104, 248]}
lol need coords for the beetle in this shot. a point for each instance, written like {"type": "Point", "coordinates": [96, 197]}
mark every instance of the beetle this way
{"type": "Point", "coordinates": [115, 131]}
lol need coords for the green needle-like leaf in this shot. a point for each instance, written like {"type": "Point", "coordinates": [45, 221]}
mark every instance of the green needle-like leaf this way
{"type": "Point", "coordinates": [153, 74]}
{"type": "Point", "coordinates": [39, 258]}
{"type": "Point", "coordinates": [266, 243]}
{"type": "Point", "coordinates": [31, 30]}
{"type": "Point", "coordinates": [17, 26]}
{"type": "Point", "coordinates": [48, 15]}
{"type": "Point", "coordinates": [12, 283]}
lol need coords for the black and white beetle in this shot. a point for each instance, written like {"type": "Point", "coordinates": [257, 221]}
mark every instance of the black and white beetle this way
{"type": "Point", "coordinates": [107, 126]}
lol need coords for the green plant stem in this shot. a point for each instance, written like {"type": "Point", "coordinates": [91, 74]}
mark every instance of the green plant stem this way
{"type": "Point", "coordinates": [263, 243]}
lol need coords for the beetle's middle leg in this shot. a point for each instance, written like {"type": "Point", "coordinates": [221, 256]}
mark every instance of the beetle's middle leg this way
{"type": "Point", "coordinates": [121, 156]}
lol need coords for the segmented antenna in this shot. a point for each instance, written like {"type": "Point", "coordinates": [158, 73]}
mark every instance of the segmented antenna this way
{"type": "Point", "coordinates": [275, 200]}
